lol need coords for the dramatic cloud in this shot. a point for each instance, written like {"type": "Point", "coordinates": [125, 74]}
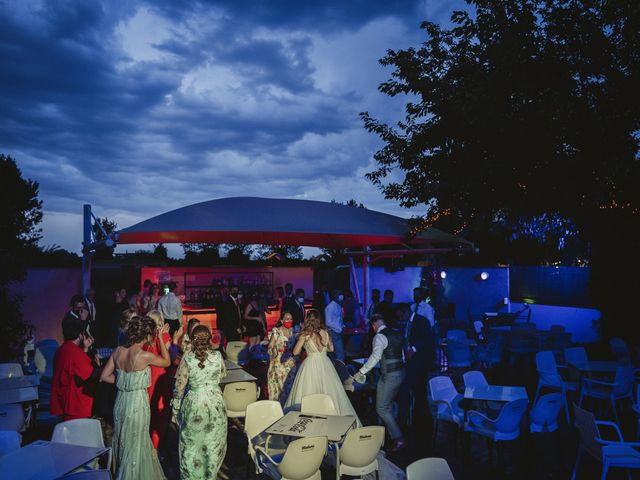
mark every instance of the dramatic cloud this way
{"type": "Point", "coordinates": [141, 107]}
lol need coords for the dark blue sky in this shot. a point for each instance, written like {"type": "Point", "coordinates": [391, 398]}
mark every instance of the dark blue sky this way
{"type": "Point", "coordinates": [141, 107]}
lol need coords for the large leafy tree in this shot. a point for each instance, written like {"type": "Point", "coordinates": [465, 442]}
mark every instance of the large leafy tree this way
{"type": "Point", "coordinates": [20, 215]}
{"type": "Point", "coordinates": [521, 110]}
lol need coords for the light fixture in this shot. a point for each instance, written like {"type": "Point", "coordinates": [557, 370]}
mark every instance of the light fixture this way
{"type": "Point", "coordinates": [484, 276]}
{"type": "Point", "coordinates": [443, 274]}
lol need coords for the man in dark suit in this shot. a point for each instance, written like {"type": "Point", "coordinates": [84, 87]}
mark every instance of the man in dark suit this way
{"type": "Point", "coordinates": [289, 300]}
{"type": "Point", "coordinates": [78, 311]}
{"type": "Point", "coordinates": [419, 353]}
{"type": "Point", "coordinates": [386, 308]}
{"type": "Point", "coordinates": [296, 307]}
{"type": "Point", "coordinates": [230, 308]}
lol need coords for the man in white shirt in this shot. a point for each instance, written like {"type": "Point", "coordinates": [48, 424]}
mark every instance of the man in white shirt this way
{"type": "Point", "coordinates": [387, 350]}
{"type": "Point", "coordinates": [334, 320]}
{"type": "Point", "coordinates": [422, 307]}
{"type": "Point", "coordinates": [171, 308]}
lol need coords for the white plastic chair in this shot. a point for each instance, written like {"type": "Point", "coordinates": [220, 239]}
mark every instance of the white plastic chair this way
{"type": "Point", "coordinates": [446, 399]}
{"type": "Point", "coordinates": [237, 351]}
{"type": "Point", "coordinates": [90, 475]}
{"type": "Point", "coordinates": [621, 388]}
{"type": "Point", "coordinates": [12, 417]}
{"type": "Point", "coordinates": [575, 355]}
{"type": "Point", "coordinates": [259, 416]}
{"type": "Point", "coordinates": [358, 454]}
{"type": "Point", "coordinates": [620, 350]}
{"type": "Point", "coordinates": [9, 370]}
{"type": "Point", "coordinates": [474, 378]}
{"type": "Point", "coordinates": [615, 453]}
{"type": "Point", "coordinates": [548, 377]}
{"type": "Point", "coordinates": [458, 353]}
{"type": "Point", "coordinates": [456, 334]}
{"type": "Point", "coordinates": [544, 414]}
{"type": "Point", "coordinates": [318, 403]}
{"type": "Point", "coordinates": [82, 431]}
{"type": "Point", "coordinates": [301, 460]}
{"type": "Point", "coordinates": [237, 396]}
{"type": "Point", "coordinates": [43, 359]}
{"type": "Point", "coordinates": [9, 441]}
{"type": "Point", "coordinates": [504, 428]}
{"type": "Point", "coordinates": [429, 469]}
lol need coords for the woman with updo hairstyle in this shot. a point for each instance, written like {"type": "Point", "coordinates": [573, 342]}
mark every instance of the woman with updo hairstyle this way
{"type": "Point", "coordinates": [201, 414]}
{"type": "Point", "coordinates": [125, 318]}
{"type": "Point", "coordinates": [317, 373]}
{"type": "Point", "coordinates": [130, 369]}
{"type": "Point", "coordinates": [185, 341]}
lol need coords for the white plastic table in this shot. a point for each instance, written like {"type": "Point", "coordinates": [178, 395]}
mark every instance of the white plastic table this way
{"type": "Point", "coordinates": [19, 389]}
{"type": "Point", "coordinates": [231, 365]}
{"type": "Point", "coordinates": [495, 393]}
{"type": "Point", "coordinates": [298, 424]}
{"type": "Point", "coordinates": [44, 460]}
{"type": "Point", "coordinates": [237, 375]}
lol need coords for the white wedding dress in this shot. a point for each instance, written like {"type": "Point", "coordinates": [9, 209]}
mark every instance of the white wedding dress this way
{"type": "Point", "coordinates": [318, 375]}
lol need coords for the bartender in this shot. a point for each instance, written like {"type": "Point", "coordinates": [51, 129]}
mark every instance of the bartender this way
{"type": "Point", "coordinates": [170, 307]}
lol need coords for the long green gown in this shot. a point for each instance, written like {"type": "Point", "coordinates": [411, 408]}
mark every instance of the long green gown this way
{"type": "Point", "coordinates": [201, 416]}
{"type": "Point", "coordinates": [136, 459]}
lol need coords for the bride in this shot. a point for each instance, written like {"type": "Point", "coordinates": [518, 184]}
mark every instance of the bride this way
{"type": "Point", "coordinates": [317, 374]}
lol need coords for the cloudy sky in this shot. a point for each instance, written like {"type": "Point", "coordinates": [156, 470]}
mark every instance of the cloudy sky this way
{"type": "Point", "coordinates": [142, 107]}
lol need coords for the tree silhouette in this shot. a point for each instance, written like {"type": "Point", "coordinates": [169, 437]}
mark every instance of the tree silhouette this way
{"type": "Point", "coordinates": [520, 110]}
{"type": "Point", "coordinates": [109, 226]}
{"type": "Point", "coordinates": [201, 253]}
{"type": "Point", "coordinates": [20, 215]}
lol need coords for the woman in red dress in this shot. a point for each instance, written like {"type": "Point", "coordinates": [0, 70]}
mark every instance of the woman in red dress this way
{"type": "Point", "coordinates": [160, 390]}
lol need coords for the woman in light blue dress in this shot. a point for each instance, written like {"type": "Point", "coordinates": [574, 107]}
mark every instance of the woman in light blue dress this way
{"type": "Point", "coordinates": [129, 368]}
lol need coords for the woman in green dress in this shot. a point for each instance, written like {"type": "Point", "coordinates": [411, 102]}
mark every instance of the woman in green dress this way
{"type": "Point", "coordinates": [129, 368]}
{"type": "Point", "coordinates": [200, 414]}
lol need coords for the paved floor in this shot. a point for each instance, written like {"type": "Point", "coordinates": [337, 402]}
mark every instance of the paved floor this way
{"type": "Point", "coordinates": [533, 456]}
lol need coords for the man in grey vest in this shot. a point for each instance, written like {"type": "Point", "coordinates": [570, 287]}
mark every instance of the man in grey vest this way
{"type": "Point", "coordinates": [387, 349]}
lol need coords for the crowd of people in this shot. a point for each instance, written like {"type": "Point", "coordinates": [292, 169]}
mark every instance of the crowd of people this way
{"type": "Point", "coordinates": [167, 377]}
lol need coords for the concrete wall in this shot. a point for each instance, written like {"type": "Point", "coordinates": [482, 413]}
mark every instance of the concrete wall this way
{"type": "Point", "coordinates": [46, 293]}
{"type": "Point", "coordinates": [577, 321]}
{"type": "Point", "coordinates": [470, 294]}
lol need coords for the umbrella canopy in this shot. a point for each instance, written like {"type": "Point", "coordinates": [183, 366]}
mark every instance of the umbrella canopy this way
{"type": "Point", "coordinates": [275, 221]}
